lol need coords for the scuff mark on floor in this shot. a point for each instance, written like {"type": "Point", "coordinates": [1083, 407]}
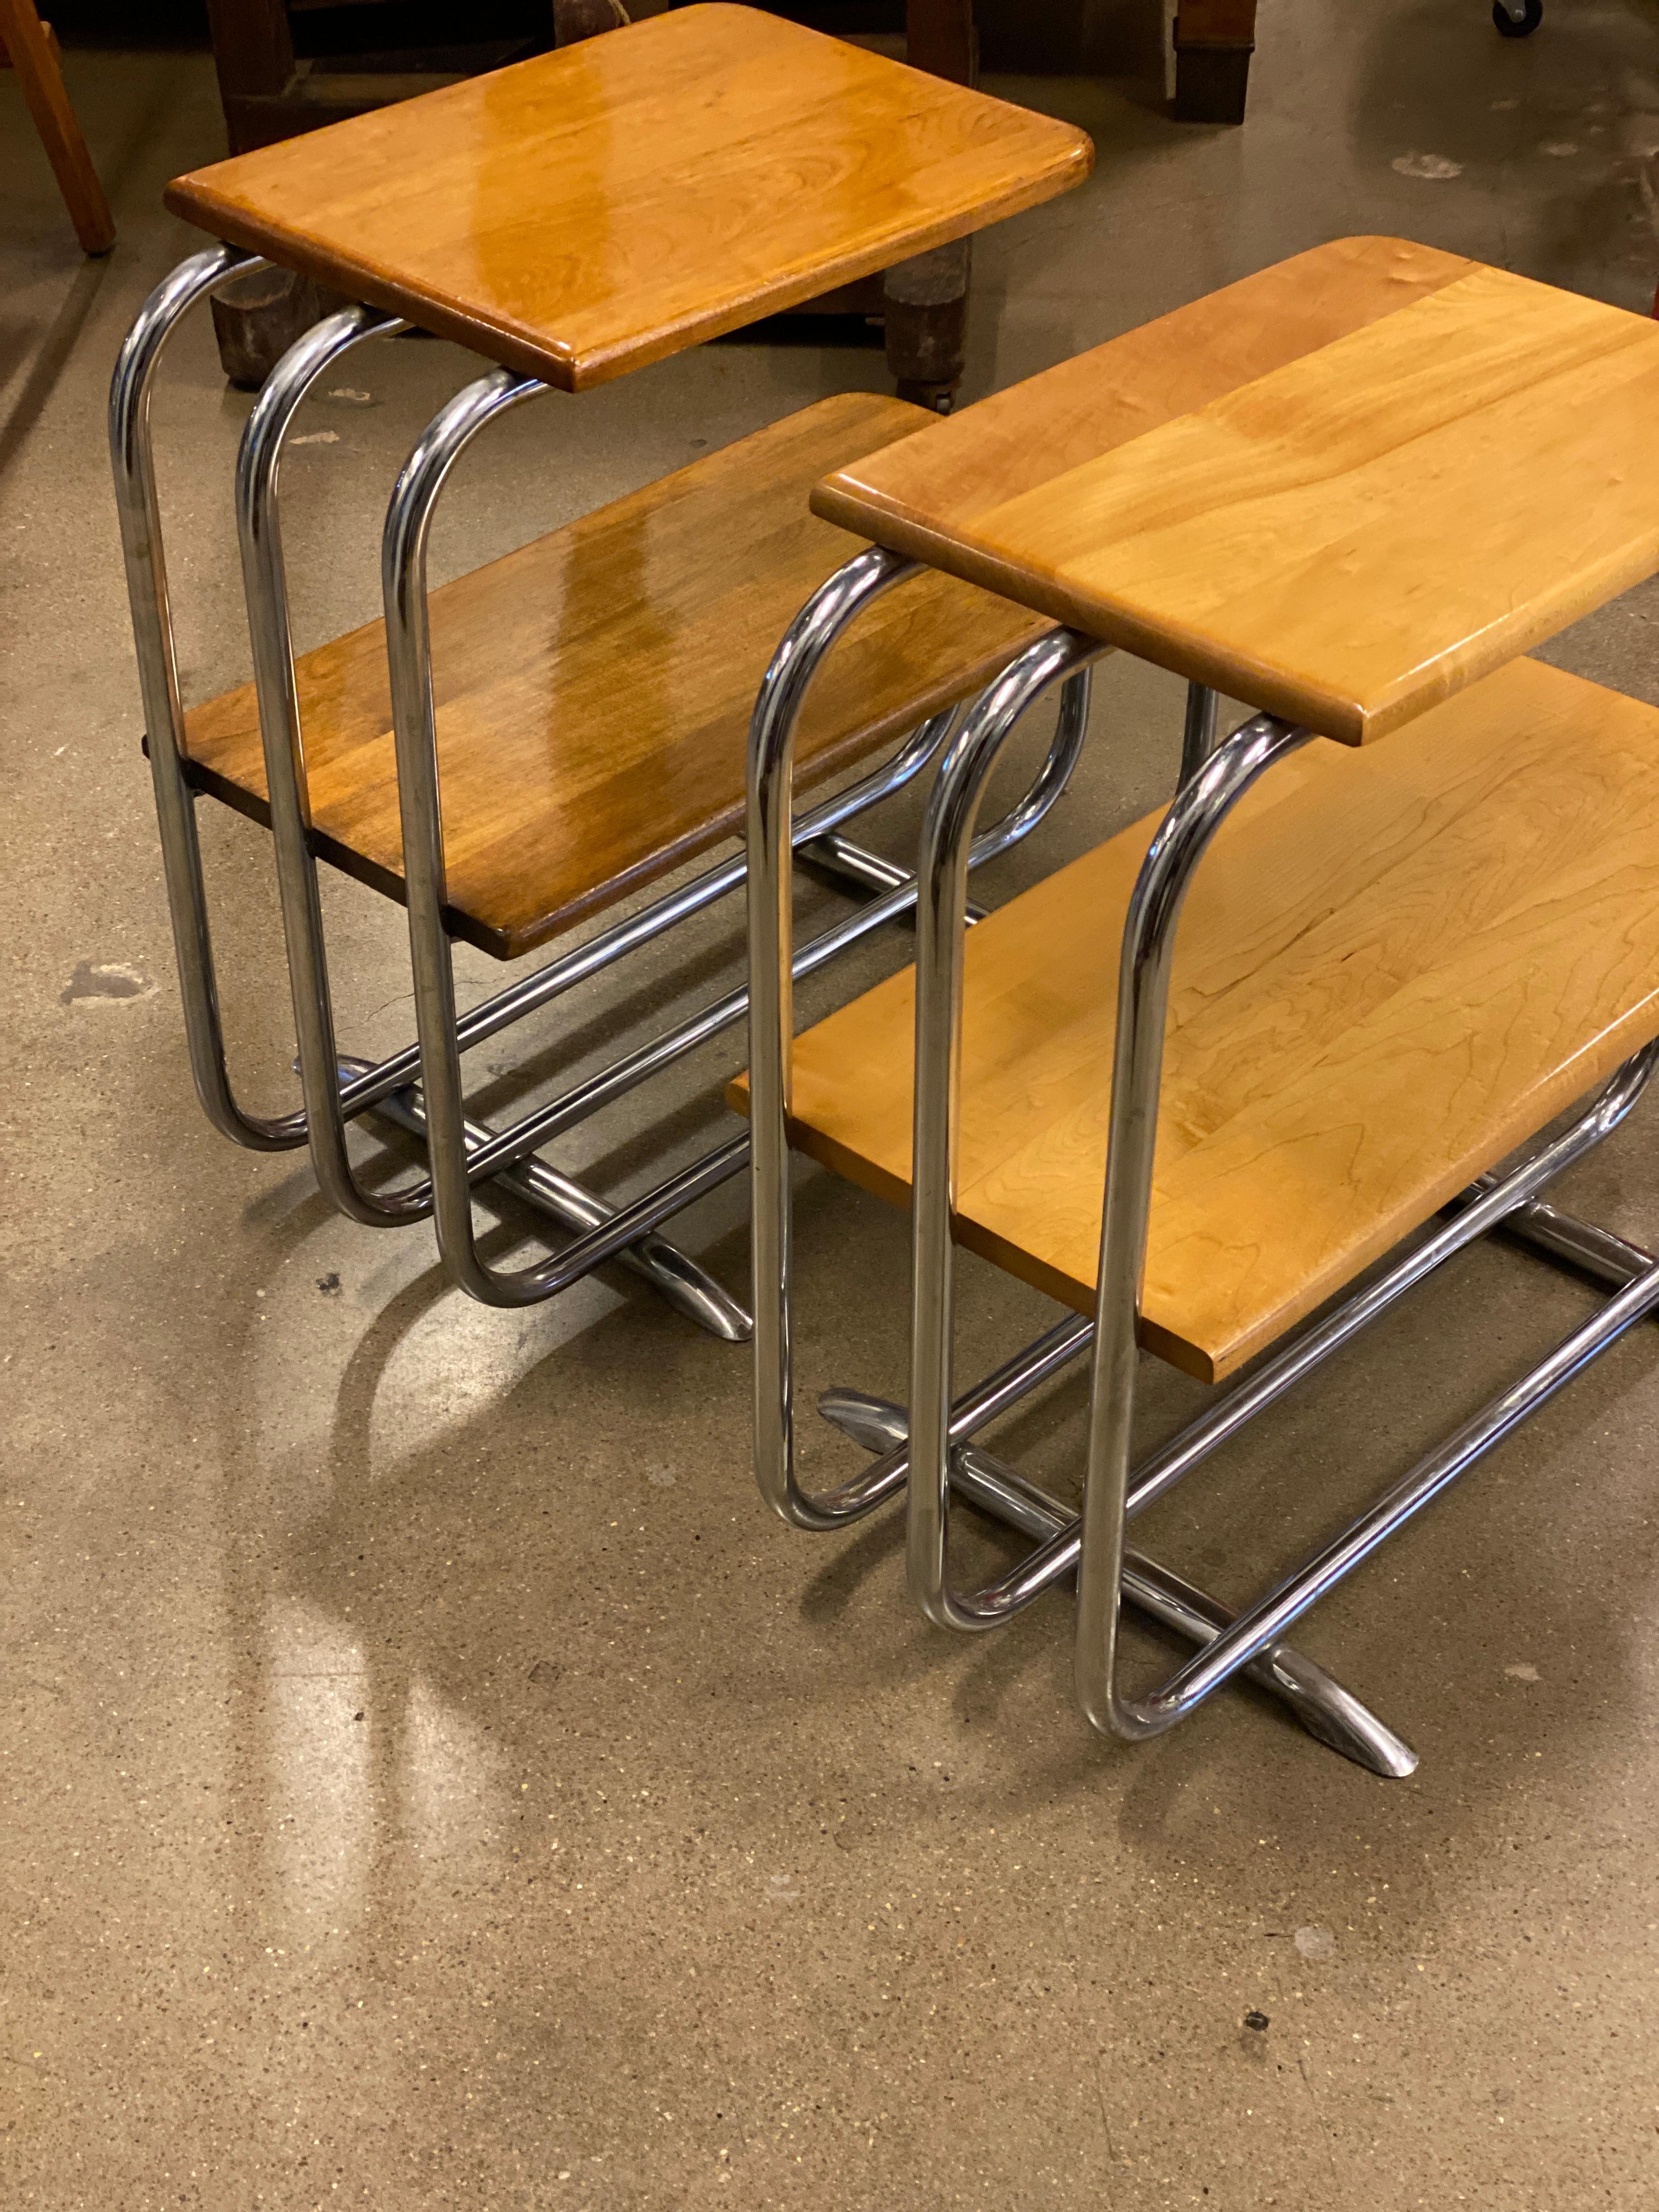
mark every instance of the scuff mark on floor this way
{"type": "Point", "coordinates": [103, 981]}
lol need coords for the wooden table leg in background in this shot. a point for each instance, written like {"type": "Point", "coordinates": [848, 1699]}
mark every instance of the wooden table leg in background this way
{"type": "Point", "coordinates": [576, 20]}
{"type": "Point", "coordinates": [1214, 42]}
{"type": "Point", "coordinates": [925, 300]}
{"type": "Point", "coordinates": [29, 45]}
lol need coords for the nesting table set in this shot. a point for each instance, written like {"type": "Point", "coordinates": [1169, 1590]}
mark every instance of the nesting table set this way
{"type": "Point", "coordinates": [1417, 889]}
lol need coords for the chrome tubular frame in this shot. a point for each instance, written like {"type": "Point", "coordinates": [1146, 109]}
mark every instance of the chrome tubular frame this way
{"type": "Point", "coordinates": [1148, 946]}
{"type": "Point", "coordinates": [265, 586]}
{"type": "Point", "coordinates": [772, 967]}
{"type": "Point", "coordinates": [928, 1451]}
{"type": "Point", "coordinates": [455, 1165]}
{"type": "Point", "coordinates": [1328, 1711]}
{"type": "Point", "coordinates": [133, 460]}
{"type": "Point", "coordinates": [336, 1089]}
{"type": "Point", "coordinates": [1200, 735]}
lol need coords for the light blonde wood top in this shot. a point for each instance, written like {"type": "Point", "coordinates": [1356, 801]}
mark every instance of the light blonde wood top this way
{"type": "Point", "coordinates": [1391, 970]}
{"type": "Point", "coordinates": [1389, 514]}
{"type": "Point", "coordinates": [579, 215]}
{"type": "Point", "coordinates": [594, 689]}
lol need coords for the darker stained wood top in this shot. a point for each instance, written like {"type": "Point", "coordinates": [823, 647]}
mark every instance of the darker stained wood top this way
{"type": "Point", "coordinates": [594, 689]}
{"type": "Point", "coordinates": [577, 216]}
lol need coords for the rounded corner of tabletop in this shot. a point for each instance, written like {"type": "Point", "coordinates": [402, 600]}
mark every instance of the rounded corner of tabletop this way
{"type": "Point", "coordinates": [581, 214]}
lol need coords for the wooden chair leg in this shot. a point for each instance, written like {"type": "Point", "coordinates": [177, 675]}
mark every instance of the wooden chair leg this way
{"type": "Point", "coordinates": [29, 45]}
{"type": "Point", "coordinates": [257, 318]}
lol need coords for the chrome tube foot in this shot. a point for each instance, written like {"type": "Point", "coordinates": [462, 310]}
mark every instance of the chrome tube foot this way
{"type": "Point", "coordinates": [1330, 1714]}
{"type": "Point", "coordinates": [676, 1277]}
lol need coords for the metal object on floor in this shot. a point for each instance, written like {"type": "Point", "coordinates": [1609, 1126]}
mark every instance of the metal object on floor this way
{"type": "Point", "coordinates": [1517, 18]}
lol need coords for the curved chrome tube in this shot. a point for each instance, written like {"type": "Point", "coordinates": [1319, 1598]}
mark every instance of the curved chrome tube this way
{"type": "Point", "coordinates": [1149, 933]}
{"type": "Point", "coordinates": [1329, 1712]}
{"type": "Point", "coordinates": [265, 583]}
{"type": "Point", "coordinates": [403, 565]}
{"type": "Point", "coordinates": [1262, 1624]}
{"type": "Point", "coordinates": [133, 458]}
{"type": "Point", "coordinates": [946, 837]}
{"type": "Point", "coordinates": [771, 1004]}
{"type": "Point", "coordinates": [772, 968]}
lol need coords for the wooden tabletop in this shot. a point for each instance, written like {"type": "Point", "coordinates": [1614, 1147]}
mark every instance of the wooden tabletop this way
{"type": "Point", "coordinates": [1392, 968]}
{"type": "Point", "coordinates": [577, 216]}
{"type": "Point", "coordinates": [1464, 462]}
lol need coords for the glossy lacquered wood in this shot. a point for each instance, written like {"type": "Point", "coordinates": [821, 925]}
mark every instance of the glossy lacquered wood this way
{"type": "Point", "coordinates": [1346, 539]}
{"type": "Point", "coordinates": [594, 689]}
{"type": "Point", "coordinates": [1392, 969]}
{"type": "Point", "coordinates": [576, 215]}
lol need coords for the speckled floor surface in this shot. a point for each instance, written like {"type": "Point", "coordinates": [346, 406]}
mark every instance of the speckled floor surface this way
{"type": "Point", "coordinates": [429, 1777]}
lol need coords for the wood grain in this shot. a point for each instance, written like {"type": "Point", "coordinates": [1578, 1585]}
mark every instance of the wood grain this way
{"type": "Point", "coordinates": [594, 689]}
{"type": "Point", "coordinates": [927, 494]}
{"type": "Point", "coordinates": [1346, 539]}
{"type": "Point", "coordinates": [1392, 968]}
{"type": "Point", "coordinates": [576, 215]}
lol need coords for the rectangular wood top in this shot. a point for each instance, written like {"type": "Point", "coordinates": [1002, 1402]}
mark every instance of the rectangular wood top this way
{"type": "Point", "coordinates": [594, 689]}
{"type": "Point", "coordinates": [1392, 969]}
{"type": "Point", "coordinates": [1449, 464]}
{"type": "Point", "coordinates": [577, 216]}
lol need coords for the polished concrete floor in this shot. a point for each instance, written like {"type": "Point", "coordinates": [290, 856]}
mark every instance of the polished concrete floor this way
{"type": "Point", "coordinates": [429, 1776]}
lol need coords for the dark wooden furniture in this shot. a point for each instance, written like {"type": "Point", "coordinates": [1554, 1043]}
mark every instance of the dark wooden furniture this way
{"type": "Point", "coordinates": [1214, 42]}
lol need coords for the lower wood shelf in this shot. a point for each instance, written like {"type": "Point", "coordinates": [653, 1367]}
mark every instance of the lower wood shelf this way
{"type": "Point", "coordinates": [1393, 967]}
{"type": "Point", "coordinates": [594, 689]}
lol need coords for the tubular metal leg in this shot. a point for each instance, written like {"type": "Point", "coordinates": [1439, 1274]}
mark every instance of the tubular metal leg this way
{"type": "Point", "coordinates": [133, 460]}
{"type": "Point", "coordinates": [686, 1286]}
{"type": "Point", "coordinates": [1149, 938]}
{"type": "Point", "coordinates": [1199, 737]}
{"type": "Point", "coordinates": [265, 583]}
{"type": "Point", "coordinates": [772, 969]}
{"type": "Point", "coordinates": [947, 835]}
{"type": "Point", "coordinates": [403, 558]}
{"type": "Point", "coordinates": [409, 651]}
